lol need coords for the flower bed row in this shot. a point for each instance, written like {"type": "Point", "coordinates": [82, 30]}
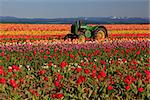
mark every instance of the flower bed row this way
{"type": "Point", "coordinates": [61, 36]}
{"type": "Point", "coordinates": [66, 32]}
{"type": "Point", "coordinates": [130, 35]}
{"type": "Point", "coordinates": [114, 69]}
{"type": "Point", "coordinates": [34, 32]}
{"type": "Point", "coordinates": [66, 27]}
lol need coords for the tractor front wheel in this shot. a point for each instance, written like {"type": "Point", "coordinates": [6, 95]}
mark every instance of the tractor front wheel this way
{"type": "Point", "coordinates": [67, 36]}
{"type": "Point", "coordinates": [82, 38]}
{"type": "Point", "coordinates": [70, 36]}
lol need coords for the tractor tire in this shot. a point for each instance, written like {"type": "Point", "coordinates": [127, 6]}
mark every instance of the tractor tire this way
{"type": "Point", "coordinates": [100, 33]}
{"type": "Point", "coordinates": [82, 38]}
{"type": "Point", "coordinates": [70, 36]}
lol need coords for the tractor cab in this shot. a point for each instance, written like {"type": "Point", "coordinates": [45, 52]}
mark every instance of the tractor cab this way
{"type": "Point", "coordinates": [77, 26]}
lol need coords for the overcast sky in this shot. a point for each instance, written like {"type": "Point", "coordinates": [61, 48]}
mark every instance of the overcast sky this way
{"type": "Point", "coordinates": [74, 8]}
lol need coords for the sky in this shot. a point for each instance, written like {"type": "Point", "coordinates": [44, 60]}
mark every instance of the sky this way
{"type": "Point", "coordinates": [74, 8]}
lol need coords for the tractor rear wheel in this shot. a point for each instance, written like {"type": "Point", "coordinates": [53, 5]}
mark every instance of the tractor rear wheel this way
{"type": "Point", "coordinates": [81, 38]}
{"type": "Point", "coordinates": [101, 33]}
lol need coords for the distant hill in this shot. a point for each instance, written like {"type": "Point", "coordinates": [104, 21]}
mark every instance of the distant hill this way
{"type": "Point", "coordinates": [88, 20]}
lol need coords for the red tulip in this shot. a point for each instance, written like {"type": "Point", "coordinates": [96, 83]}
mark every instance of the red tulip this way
{"type": "Point", "coordinates": [80, 80]}
{"type": "Point", "coordinates": [41, 72]}
{"type": "Point", "coordinates": [127, 81]}
{"type": "Point", "coordinates": [78, 70]}
{"type": "Point", "coordinates": [54, 95]}
{"type": "Point", "coordinates": [1, 71]}
{"type": "Point", "coordinates": [87, 71]}
{"type": "Point", "coordinates": [138, 74]}
{"type": "Point", "coordinates": [15, 67]}
{"type": "Point", "coordinates": [93, 75]}
{"type": "Point", "coordinates": [2, 54]}
{"type": "Point", "coordinates": [10, 69]}
{"type": "Point", "coordinates": [103, 62]}
{"type": "Point", "coordinates": [50, 64]}
{"type": "Point", "coordinates": [21, 80]}
{"type": "Point", "coordinates": [140, 89]}
{"type": "Point", "coordinates": [60, 95]}
{"type": "Point", "coordinates": [110, 87]}
{"type": "Point", "coordinates": [2, 80]}
{"type": "Point", "coordinates": [94, 66]}
{"type": "Point", "coordinates": [59, 77]}
{"type": "Point", "coordinates": [57, 84]}
{"type": "Point", "coordinates": [71, 56]}
{"type": "Point", "coordinates": [93, 71]}
{"type": "Point", "coordinates": [63, 64]}
{"type": "Point", "coordinates": [46, 78]}
{"type": "Point", "coordinates": [138, 52]}
{"type": "Point", "coordinates": [45, 57]}
{"type": "Point", "coordinates": [127, 87]}
{"type": "Point", "coordinates": [102, 73]}
{"type": "Point", "coordinates": [13, 83]}
{"type": "Point", "coordinates": [47, 52]}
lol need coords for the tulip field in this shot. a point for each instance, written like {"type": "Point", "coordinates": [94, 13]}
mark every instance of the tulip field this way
{"type": "Point", "coordinates": [37, 64]}
{"type": "Point", "coordinates": [51, 31]}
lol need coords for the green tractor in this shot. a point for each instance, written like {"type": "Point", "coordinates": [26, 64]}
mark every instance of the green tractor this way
{"type": "Point", "coordinates": [81, 31]}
